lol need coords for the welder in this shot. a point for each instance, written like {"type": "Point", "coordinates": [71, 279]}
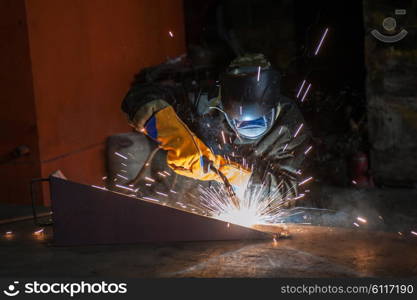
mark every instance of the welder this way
{"type": "Point", "coordinates": [246, 128]}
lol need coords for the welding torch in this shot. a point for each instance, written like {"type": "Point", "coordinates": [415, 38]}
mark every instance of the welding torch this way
{"type": "Point", "coordinates": [229, 188]}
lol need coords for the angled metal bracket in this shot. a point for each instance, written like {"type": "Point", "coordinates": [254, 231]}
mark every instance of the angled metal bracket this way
{"type": "Point", "coordinates": [83, 215]}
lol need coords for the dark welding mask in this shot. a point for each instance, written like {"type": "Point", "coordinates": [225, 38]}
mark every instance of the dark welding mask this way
{"type": "Point", "coordinates": [250, 99]}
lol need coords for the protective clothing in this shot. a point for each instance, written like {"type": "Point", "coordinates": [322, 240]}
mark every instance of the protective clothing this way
{"type": "Point", "coordinates": [264, 125]}
{"type": "Point", "coordinates": [251, 128]}
{"type": "Point", "coordinates": [186, 153]}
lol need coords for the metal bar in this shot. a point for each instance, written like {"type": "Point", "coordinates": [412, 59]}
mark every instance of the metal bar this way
{"type": "Point", "coordinates": [87, 215]}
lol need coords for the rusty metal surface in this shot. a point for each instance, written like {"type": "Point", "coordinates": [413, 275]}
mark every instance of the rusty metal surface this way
{"type": "Point", "coordinates": [391, 96]}
{"type": "Point", "coordinates": [84, 215]}
{"type": "Point", "coordinates": [315, 252]}
{"type": "Point", "coordinates": [309, 252]}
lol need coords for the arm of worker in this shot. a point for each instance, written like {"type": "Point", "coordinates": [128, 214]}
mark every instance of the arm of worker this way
{"type": "Point", "coordinates": [287, 142]}
{"type": "Point", "coordinates": [185, 151]}
{"type": "Point", "coordinates": [285, 146]}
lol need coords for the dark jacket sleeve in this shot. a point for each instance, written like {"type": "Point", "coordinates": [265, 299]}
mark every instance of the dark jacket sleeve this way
{"type": "Point", "coordinates": [142, 93]}
{"type": "Point", "coordinates": [294, 118]}
{"type": "Point", "coordinates": [150, 84]}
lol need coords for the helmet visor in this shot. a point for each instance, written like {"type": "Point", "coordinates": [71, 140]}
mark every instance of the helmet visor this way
{"type": "Point", "coordinates": [253, 128]}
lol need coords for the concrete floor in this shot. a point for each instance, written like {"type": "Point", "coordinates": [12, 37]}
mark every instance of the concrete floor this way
{"type": "Point", "coordinates": [310, 251]}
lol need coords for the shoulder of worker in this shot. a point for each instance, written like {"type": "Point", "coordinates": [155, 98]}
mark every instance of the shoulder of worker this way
{"type": "Point", "coordinates": [291, 116]}
{"type": "Point", "coordinates": [145, 89]}
{"type": "Point", "coordinates": [171, 82]}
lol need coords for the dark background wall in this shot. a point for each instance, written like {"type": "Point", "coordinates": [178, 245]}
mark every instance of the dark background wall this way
{"type": "Point", "coordinates": [391, 94]}
{"type": "Point", "coordinates": [17, 113]}
{"type": "Point", "coordinates": [288, 32]}
{"type": "Point", "coordinates": [79, 57]}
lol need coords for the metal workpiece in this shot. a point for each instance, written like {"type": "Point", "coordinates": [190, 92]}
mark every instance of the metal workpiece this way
{"type": "Point", "coordinates": [86, 215]}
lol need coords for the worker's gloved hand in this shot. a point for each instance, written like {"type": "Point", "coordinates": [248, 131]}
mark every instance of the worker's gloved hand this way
{"type": "Point", "coordinates": [278, 144]}
{"type": "Point", "coordinates": [186, 153]}
{"type": "Point", "coordinates": [287, 140]}
{"type": "Point", "coordinates": [278, 188]}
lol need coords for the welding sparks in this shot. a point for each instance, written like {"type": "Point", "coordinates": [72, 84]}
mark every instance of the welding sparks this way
{"type": "Point", "coordinates": [38, 232]}
{"type": "Point", "coordinates": [162, 194]}
{"type": "Point", "coordinates": [192, 196]}
{"type": "Point", "coordinates": [126, 188]}
{"type": "Point", "coordinates": [171, 34]}
{"type": "Point", "coordinates": [299, 197]}
{"type": "Point", "coordinates": [356, 224]}
{"type": "Point", "coordinates": [321, 41]}
{"type": "Point", "coordinates": [413, 232]}
{"type": "Point", "coordinates": [301, 88]}
{"type": "Point", "coordinates": [308, 150]}
{"type": "Point", "coordinates": [256, 206]}
{"type": "Point", "coordinates": [298, 130]}
{"type": "Point", "coordinates": [224, 138]}
{"type": "Point", "coordinates": [149, 179]}
{"type": "Point", "coordinates": [162, 174]}
{"type": "Point", "coordinates": [259, 74]}
{"type": "Point", "coordinates": [306, 92]}
{"type": "Point", "coordinates": [9, 235]}
{"type": "Point", "coordinates": [121, 176]}
{"type": "Point", "coordinates": [305, 181]}
{"type": "Point", "coordinates": [181, 204]}
{"type": "Point", "coordinates": [120, 155]}
{"type": "Point", "coordinates": [360, 219]}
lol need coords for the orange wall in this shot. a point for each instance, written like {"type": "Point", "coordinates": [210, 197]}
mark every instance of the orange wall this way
{"type": "Point", "coordinates": [17, 112]}
{"type": "Point", "coordinates": [84, 54]}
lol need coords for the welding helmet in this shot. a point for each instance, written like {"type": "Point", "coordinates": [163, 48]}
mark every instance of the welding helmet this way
{"type": "Point", "coordinates": [250, 98]}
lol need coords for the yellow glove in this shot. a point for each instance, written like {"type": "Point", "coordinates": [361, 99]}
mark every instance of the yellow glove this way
{"type": "Point", "coordinates": [186, 151]}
